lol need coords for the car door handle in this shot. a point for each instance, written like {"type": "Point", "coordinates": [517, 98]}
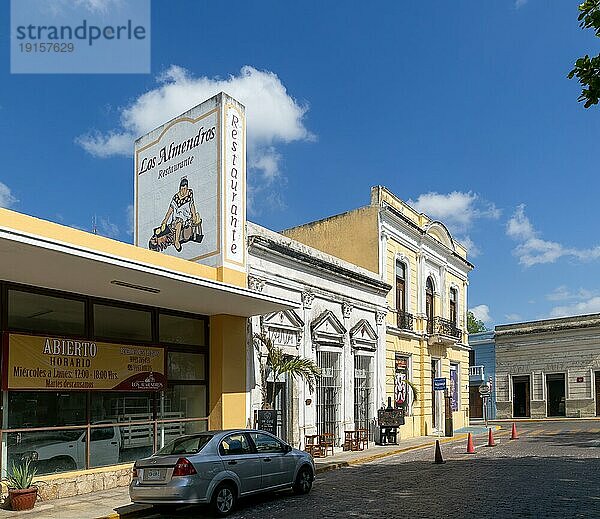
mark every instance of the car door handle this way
{"type": "Point", "coordinates": [113, 443]}
{"type": "Point", "coordinates": [232, 462]}
{"type": "Point", "coordinates": [266, 459]}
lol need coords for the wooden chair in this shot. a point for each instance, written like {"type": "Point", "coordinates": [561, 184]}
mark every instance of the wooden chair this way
{"type": "Point", "coordinates": [351, 441]}
{"type": "Point", "coordinates": [327, 442]}
{"type": "Point", "coordinates": [312, 445]}
{"type": "Point", "coordinates": [363, 438]}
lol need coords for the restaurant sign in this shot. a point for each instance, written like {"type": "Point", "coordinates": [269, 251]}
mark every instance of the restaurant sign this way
{"type": "Point", "coordinates": [44, 362]}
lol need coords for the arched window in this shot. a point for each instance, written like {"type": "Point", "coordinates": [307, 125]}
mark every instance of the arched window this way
{"type": "Point", "coordinates": [453, 303]}
{"type": "Point", "coordinates": [429, 305]}
{"type": "Point", "coordinates": [400, 287]}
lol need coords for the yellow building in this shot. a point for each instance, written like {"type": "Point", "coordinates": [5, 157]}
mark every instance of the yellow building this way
{"type": "Point", "coordinates": [426, 332]}
{"type": "Point", "coordinates": [111, 350]}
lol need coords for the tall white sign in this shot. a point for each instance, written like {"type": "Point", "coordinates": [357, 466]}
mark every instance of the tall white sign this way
{"type": "Point", "coordinates": [190, 185]}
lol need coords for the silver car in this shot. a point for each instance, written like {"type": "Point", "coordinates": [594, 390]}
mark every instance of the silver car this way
{"type": "Point", "coordinates": [217, 467]}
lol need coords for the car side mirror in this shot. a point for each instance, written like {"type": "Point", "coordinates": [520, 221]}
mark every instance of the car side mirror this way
{"type": "Point", "coordinates": [287, 448]}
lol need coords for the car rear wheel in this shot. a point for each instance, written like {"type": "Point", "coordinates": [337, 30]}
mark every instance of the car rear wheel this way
{"type": "Point", "coordinates": [223, 500]}
{"type": "Point", "coordinates": [304, 481]}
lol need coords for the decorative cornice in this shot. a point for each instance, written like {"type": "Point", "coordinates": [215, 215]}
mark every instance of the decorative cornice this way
{"type": "Point", "coordinates": [347, 310]}
{"type": "Point", "coordinates": [307, 299]}
{"type": "Point", "coordinates": [256, 284]}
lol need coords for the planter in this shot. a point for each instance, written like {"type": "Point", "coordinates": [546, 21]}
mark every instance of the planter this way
{"type": "Point", "coordinates": [22, 499]}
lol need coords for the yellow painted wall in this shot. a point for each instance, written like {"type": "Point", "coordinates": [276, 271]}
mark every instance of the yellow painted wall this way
{"type": "Point", "coordinates": [351, 236]}
{"type": "Point", "coordinates": [227, 372]}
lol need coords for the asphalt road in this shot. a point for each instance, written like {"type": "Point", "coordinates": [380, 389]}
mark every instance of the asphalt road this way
{"type": "Point", "coordinates": [553, 470]}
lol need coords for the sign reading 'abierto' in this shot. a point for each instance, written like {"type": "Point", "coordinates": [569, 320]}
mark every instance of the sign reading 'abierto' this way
{"type": "Point", "coordinates": [56, 363]}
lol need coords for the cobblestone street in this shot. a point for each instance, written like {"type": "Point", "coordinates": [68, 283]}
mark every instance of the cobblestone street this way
{"type": "Point", "coordinates": [553, 470]}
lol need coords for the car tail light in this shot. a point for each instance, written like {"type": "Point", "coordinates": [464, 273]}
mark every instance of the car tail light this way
{"type": "Point", "coordinates": [184, 467]}
{"type": "Point", "coordinates": [134, 472]}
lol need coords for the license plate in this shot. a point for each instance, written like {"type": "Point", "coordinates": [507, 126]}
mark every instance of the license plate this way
{"type": "Point", "coordinates": [153, 474]}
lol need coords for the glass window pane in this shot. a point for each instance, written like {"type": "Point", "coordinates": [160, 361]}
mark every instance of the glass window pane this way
{"type": "Point", "coordinates": [185, 366]}
{"type": "Point", "coordinates": [121, 406]}
{"type": "Point", "coordinates": [112, 444]}
{"type": "Point", "coordinates": [113, 322]}
{"type": "Point", "coordinates": [45, 409]}
{"type": "Point", "coordinates": [169, 431]}
{"type": "Point", "coordinates": [266, 443]}
{"type": "Point", "coordinates": [44, 313]}
{"type": "Point", "coordinates": [181, 330]}
{"type": "Point", "coordinates": [235, 444]}
{"type": "Point", "coordinates": [183, 401]}
{"type": "Point", "coordinates": [49, 451]}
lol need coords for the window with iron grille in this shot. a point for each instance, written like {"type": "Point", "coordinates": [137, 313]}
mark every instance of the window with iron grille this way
{"type": "Point", "coordinates": [329, 389]}
{"type": "Point", "coordinates": [363, 391]}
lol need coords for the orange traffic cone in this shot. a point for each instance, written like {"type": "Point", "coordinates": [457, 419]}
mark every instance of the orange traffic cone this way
{"type": "Point", "coordinates": [491, 442]}
{"type": "Point", "coordinates": [513, 434]}
{"type": "Point", "coordinates": [470, 448]}
{"type": "Point", "coordinates": [438, 453]}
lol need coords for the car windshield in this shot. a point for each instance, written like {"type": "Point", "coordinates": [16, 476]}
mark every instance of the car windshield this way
{"type": "Point", "coordinates": [185, 445]}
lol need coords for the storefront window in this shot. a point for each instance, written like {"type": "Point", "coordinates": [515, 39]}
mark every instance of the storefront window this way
{"type": "Point", "coordinates": [183, 401]}
{"type": "Point", "coordinates": [121, 406]}
{"type": "Point", "coordinates": [45, 409]}
{"type": "Point", "coordinates": [42, 313]}
{"type": "Point", "coordinates": [185, 366]}
{"type": "Point", "coordinates": [181, 330]}
{"type": "Point", "coordinates": [114, 444]}
{"type": "Point", "coordinates": [126, 324]}
{"type": "Point", "coordinates": [49, 451]}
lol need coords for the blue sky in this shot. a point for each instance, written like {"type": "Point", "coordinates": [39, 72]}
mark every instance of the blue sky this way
{"type": "Point", "coordinates": [461, 107]}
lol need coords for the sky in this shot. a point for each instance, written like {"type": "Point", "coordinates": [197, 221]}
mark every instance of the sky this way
{"type": "Point", "coordinates": [461, 108]}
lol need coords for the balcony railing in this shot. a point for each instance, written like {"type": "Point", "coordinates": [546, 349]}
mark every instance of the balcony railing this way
{"type": "Point", "coordinates": [445, 327]}
{"type": "Point", "coordinates": [404, 320]}
{"type": "Point", "coordinates": [476, 371]}
{"type": "Point", "coordinates": [476, 374]}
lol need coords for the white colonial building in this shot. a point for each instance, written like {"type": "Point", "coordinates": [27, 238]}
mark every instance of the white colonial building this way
{"type": "Point", "coordinates": [549, 368]}
{"type": "Point", "coordinates": [339, 322]}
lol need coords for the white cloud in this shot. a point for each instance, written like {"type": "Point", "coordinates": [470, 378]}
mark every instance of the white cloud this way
{"type": "Point", "coordinates": [520, 3]}
{"type": "Point", "coordinates": [129, 219]}
{"type": "Point", "coordinates": [273, 117]}
{"type": "Point", "coordinates": [532, 250]}
{"type": "Point", "coordinates": [108, 228]}
{"type": "Point", "coordinates": [7, 199]}
{"type": "Point", "coordinates": [458, 211]}
{"type": "Point", "coordinates": [590, 306]}
{"type": "Point", "coordinates": [482, 313]}
{"type": "Point", "coordinates": [513, 317]}
{"type": "Point", "coordinates": [562, 293]}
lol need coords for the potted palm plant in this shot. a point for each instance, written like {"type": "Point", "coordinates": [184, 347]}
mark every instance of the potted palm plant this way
{"type": "Point", "coordinates": [277, 363]}
{"type": "Point", "coordinates": [22, 492]}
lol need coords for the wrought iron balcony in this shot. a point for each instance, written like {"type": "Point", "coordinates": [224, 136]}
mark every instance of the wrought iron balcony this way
{"type": "Point", "coordinates": [404, 320]}
{"type": "Point", "coordinates": [476, 374]}
{"type": "Point", "coordinates": [445, 327]}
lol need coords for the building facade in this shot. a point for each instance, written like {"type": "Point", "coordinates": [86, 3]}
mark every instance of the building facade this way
{"type": "Point", "coordinates": [482, 370]}
{"type": "Point", "coordinates": [337, 321]}
{"type": "Point", "coordinates": [549, 368]}
{"type": "Point", "coordinates": [426, 334]}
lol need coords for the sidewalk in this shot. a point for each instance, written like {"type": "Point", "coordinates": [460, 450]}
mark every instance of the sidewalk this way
{"type": "Point", "coordinates": [115, 503]}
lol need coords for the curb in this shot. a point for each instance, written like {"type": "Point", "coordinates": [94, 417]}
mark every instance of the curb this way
{"type": "Point", "coordinates": [320, 469]}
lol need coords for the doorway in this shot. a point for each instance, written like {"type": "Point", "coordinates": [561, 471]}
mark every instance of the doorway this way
{"type": "Point", "coordinates": [429, 305]}
{"type": "Point", "coordinates": [555, 394]}
{"type": "Point", "coordinates": [521, 397]}
{"type": "Point", "coordinates": [597, 393]}
{"type": "Point", "coordinates": [475, 402]}
{"type": "Point", "coordinates": [435, 415]}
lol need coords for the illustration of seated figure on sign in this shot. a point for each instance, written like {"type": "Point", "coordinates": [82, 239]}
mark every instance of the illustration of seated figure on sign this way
{"type": "Point", "coordinates": [181, 223]}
